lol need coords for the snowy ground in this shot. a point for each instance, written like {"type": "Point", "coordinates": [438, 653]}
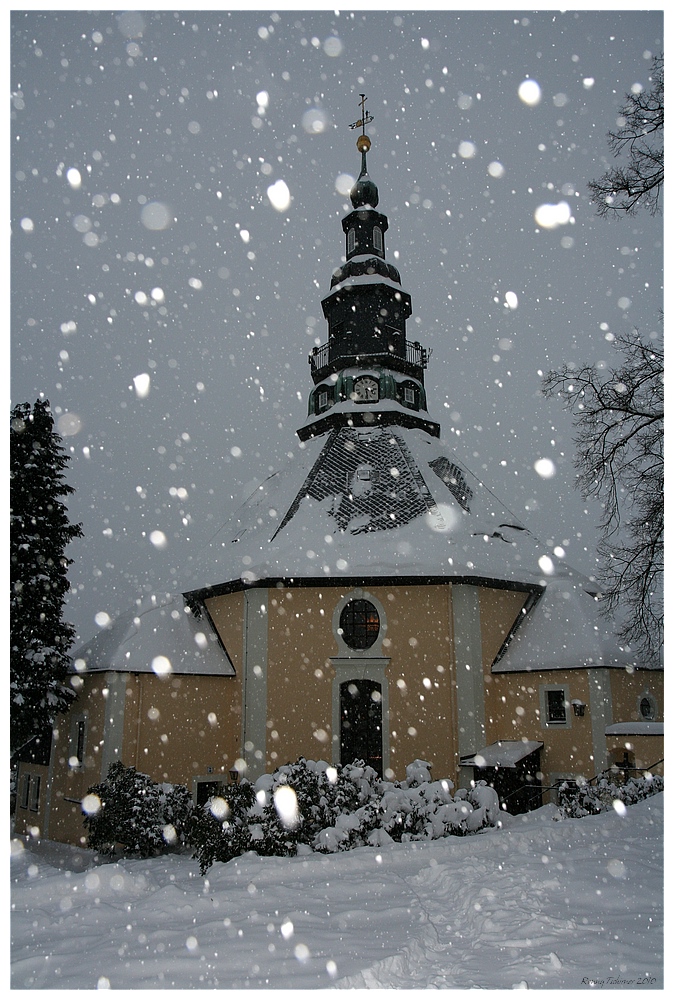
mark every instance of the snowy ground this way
{"type": "Point", "coordinates": [542, 904]}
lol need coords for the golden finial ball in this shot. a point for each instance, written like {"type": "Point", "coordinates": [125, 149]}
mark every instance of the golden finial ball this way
{"type": "Point", "coordinates": [363, 143]}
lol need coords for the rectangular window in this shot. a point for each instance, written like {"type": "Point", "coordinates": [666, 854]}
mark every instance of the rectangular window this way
{"type": "Point", "coordinates": [555, 703]}
{"type": "Point", "coordinates": [34, 800]}
{"type": "Point", "coordinates": [78, 742]}
{"type": "Point", "coordinates": [25, 791]}
{"type": "Point", "coordinates": [81, 728]}
{"type": "Point", "coordinates": [377, 239]}
{"type": "Point", "coordinates": [409, 395]}
{"type": "Point", "coordinates": [206, 790]}
{"type": "Point", "coordinates": [322, 400]}
{"type": "Point", "coordinates": [351, 240]}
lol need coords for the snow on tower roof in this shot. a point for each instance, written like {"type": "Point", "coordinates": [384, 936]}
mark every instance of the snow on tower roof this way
{"type": "Point", "coordinates": [389, 503]}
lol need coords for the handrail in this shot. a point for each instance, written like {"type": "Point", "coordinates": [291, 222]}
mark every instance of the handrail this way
{"type": "Point", "coordinates": [415, 354]}
{"type": "Point", "coordinates": [541, 789]}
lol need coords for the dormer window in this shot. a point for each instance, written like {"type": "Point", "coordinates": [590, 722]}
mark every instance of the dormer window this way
{"type": "Point", "coordinates": [322, 399]}
{"type": "Point", "coordinates": [377, 239]}
{"type": "Point", "coordinates": [351, 241]}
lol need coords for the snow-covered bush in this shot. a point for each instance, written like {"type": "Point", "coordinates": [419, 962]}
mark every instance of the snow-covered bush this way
{"type": "Point", "coordinates": [576, 800]}
{"type": "Point", "coordinates": [221, 829]}
{"type": "Point", "coordinates": [311, 805]}
{"type": "Point", "coordinates": [277, 813]}
{"type": "Point", "coordinates": [131, 812]}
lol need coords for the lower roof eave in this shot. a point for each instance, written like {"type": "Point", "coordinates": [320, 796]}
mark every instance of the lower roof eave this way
{"type": "Point", "coordinates": [543, 667]}
{"type": "Point", "coordinates": [201, 594]}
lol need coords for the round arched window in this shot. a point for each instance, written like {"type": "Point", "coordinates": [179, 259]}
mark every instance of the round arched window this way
{"type": "Point", "coordinates": [359, 624]}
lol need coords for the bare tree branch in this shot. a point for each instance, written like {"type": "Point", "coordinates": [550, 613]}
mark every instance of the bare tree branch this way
{"type": "Point", "coordinates": [619, 422]}
{"type": "Point", "coordinates": [640, 137]}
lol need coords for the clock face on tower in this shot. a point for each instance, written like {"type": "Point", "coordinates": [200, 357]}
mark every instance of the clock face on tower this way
{"type": "Point", "coordinates": [366, 390]}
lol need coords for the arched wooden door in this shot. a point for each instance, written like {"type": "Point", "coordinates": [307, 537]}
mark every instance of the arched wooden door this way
{"type": "Point", "coordinates": [361, 723]}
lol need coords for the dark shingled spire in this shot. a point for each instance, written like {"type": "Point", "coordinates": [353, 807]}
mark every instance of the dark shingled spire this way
{"type": "Point", "coordinates": [364, 191]}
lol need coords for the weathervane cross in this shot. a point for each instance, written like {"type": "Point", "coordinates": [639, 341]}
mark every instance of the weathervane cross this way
{"type": "Point", "coordinates": [365, 117]}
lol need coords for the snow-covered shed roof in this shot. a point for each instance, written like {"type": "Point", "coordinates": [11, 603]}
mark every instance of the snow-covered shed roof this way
{"type": "Point", "coordinates": [159, 636]}
{"type": "Point", "coordinates": [503, 753]}
{"type": "Point", "coordinates": [642, 728]}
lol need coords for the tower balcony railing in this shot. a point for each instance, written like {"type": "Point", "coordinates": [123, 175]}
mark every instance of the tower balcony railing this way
{"type": "Point", "coordinates": [327, 354]}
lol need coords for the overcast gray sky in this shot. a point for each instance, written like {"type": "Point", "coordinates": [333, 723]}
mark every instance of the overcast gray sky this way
{"type": "Point", "coordinates": [177, 189]}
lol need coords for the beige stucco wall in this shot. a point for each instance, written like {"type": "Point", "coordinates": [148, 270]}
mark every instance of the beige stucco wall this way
{"type": "Point", "coordinates": [184, 728]}
{"type": "Point", "coordinates": [179, 728]}
{"type": "Point", "coordinates": [627, 690]}
{"type": "Point", "coordinates": [498, 611]}
{"type": "Point", "coordinates": [68, 783]}
{"type": "Point", "coordinates": [28, 820]}
{"type": "Point", "coordinates": [174, 728]}
{"type": "Point", "coordinates": [300, 675]}
{"type": "Point", "coordinates": [513, 712]}
{"type": "Point", "coordinates": [418, 646]}
{"type": "Point", "coordinates": [422, 676]}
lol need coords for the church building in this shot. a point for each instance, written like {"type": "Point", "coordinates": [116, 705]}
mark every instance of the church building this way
{"type": "Point", "coordinates": [373, 600]}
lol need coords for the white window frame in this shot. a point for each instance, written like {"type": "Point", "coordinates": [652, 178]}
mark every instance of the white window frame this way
{"type": "Point", "coordinates": [376, 650]}
{"type": "Point", "coordinates": [360, 664]}
{"type": "Point", "coordinates": [546, 723]}
{"type": "Point", "coordinates": [653, 703]}
{"type": "Point", "coordinates": [378, 239]}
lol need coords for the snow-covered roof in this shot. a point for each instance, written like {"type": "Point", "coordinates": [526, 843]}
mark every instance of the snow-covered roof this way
{"type": "Point", "coordinates": [158, 636]}
{"type": "Point", "coordinates": [347, 406]}
{"type": "Point", "coordinates": [565, 630]}
{"type": "Point", "coordinates": [362, 279]}
{"type": "Point", "coordinates": [504, 753]}
{"type": "Point", "coordinates": [643, 728]}
{"type": "Point", "coordinates": [390, 502]}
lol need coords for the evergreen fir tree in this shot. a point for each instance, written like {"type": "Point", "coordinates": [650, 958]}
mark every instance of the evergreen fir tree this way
{"type": "Point", "coordinates": [39, 533]}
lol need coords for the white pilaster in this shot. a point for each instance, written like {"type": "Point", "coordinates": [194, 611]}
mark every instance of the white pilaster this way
{"type": "Point", "coordinates": [601, 713]}
{"type": "Point", "coordinates": [113, 728]}
{"type": "Point", "coordinates": [255, 660]}
{"type": "Point", "coordinates": [469, 676]}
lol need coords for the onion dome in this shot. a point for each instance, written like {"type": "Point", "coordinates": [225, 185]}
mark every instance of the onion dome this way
{"type": "Point", "coordinates": [364, 192]}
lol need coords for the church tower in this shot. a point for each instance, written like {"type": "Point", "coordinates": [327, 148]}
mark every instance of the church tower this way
{"type": "Point", "coordinates": [367, 373]}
